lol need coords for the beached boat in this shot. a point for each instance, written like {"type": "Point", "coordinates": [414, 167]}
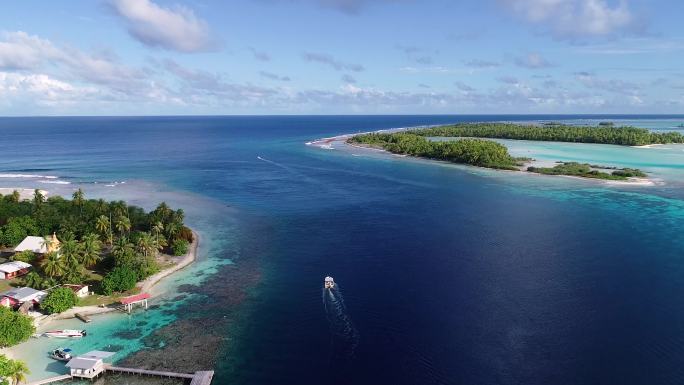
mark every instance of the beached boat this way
{"type": "Point", "coordinates": [60, 354]}
{"type": "Point", "coordinates": [66, 333]}
{"type": "Point", "coordinates": [328, 283]}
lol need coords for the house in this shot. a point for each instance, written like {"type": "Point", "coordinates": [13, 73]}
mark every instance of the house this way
{"type": "Point", "coordinates": [13, 269]}
{"type": "Point", "coordinates": [80, 290]}
{"type": "Point", "coordinates": [39, 245]}
{"type": "Point", "coordinates": [88, 365]}
{"type": "Point", "coordinates": [21, 295]}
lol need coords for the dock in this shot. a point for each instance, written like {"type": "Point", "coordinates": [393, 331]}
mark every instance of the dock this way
{"type": "Point", "coordinates": [83, 317]}
{"type": "Point", "coordinates": [197, 378]}
{"type": "Point", "coordinates": [145, 372]}
{"type": "Point", "coordinates": [51, 380]}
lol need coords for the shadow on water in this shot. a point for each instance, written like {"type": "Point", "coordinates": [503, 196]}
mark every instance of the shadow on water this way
{"type": "Point", "coordinates": [344, 337]}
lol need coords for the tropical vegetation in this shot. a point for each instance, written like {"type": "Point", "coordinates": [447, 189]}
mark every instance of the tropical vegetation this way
{"type": "Point", "coordinates": [476, 152]}
{"type": "Point", "coordinates": [556, 132]}
{"type": "Point", "coordinates": [14, 327]}
{"type": "Point", "coordinates": [586, 170]}
{"type": "Point", "coordinates": [59, 300]}
{"type": "Point", "coordinates": [96, 237]}
{"type": "Point", "coordinates": [12, 371]}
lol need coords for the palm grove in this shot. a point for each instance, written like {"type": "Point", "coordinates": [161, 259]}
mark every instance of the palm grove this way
{"type": "Point", "coordinates": [110, 245]}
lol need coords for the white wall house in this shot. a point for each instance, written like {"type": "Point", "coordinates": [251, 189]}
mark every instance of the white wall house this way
{"type": "Point", "coordinates": [14, 269]}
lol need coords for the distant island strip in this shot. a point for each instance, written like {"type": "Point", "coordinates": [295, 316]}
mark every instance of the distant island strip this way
{"type": "Point", "coordinates": [469, 148]}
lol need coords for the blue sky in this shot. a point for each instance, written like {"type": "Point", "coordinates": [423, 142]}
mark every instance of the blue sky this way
{"type": "Point", "coordinates": [140, 57]}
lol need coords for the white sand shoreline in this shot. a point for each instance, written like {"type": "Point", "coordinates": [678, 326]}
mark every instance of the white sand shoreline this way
{"type": "Point", "coordinates": [326, 143]}
{"type": "Point", "coordinates": [145, 286]}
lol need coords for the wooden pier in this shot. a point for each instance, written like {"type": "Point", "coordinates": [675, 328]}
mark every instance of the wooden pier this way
{"type": "Point", "coordinates": [197, 378]}
{"type": "Point", "coordinates": [51, 380]}
{"type": "Point", "coordinates": [145, 372]}
{"type": "Point", "coordinates": [83, 317]}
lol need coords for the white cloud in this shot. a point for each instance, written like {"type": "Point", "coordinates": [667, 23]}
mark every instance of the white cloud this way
{"type": "Point", "coordinates": [40, 89]}
{"type": "Point", "coordinates": [176, 29]}
{"type": "Point", "coordinates": [19, 50]}
{"type": "Point", "coordinates": [575, 19]}
{"type": "Point", "coordinates": [23, 52]}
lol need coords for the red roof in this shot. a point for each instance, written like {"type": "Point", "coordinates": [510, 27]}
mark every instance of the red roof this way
{"type": "Point", "coordinates": [134, 298]}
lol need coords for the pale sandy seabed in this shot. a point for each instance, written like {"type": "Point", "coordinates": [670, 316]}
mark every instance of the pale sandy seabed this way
{"type": "Point", "coordinates": [340, 142]}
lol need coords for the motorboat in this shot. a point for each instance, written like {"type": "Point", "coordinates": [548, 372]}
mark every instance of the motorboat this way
{"type": "Point", "coordinates": [328, 283]}
{"type": "Point", "coordinates": [66, 333]}
{"type": "Point", "coordinates": [60, 354]}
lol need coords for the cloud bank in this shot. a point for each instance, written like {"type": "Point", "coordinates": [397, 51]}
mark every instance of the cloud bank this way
{"type": "Point", "coordinates": [176, 29]}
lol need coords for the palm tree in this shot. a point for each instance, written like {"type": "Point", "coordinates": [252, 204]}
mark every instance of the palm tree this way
{"type": "Point", "coordinates": [38, 199]}
{"type": "Point", "coordinates": [146, 244]}
{"type": "Point", "coordinates": [158, 228]}
{"type": "Point", "coordinates": [70, 251]}
{"type": "Point", "coordinates": [73, 273]}
{"type": "Point", "coordinates": [18, 371]}
{"type": "Point", "coordinates": [53, 265]}
{"type": "Point", "coordinates": [123, 224]}
{"type": "Point", "coordinates": [172, 229]}
{"type": "Point", "coordinates": [48, 283]}
{"type": "Point", "coordinates": [32, 279]}
{"type": "Point", "coordinates": [103, 225]}
{"type": "Point", "coordinates": [90, 250]}
{"type": "Point", "coordinates": [78, 199]}
{"type": "Point", "coordinates": [47, 243]}
{"type": "Point", "coordinates": [15, 196]}
{"type": "Point", "coordinates": [163, 211]}
{"type": "Point", "coordinates": [123, 251]}
{"type": "Point", "coordinates": [101, 206]}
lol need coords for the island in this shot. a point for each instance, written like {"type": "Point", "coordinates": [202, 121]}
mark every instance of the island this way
{"type": "Point", "coordinates": [555, 132]}
{"type": "Point", "coordinates": [63, 256]}
{"type": "Point", "coordinates": [468, 144]}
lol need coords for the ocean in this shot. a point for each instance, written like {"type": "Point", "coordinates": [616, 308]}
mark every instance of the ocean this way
{"type": "Point", "coordinates": [446, 274]}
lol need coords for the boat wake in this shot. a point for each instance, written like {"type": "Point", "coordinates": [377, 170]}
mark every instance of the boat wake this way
{"type": "Point", "coordinates": [345, 337]}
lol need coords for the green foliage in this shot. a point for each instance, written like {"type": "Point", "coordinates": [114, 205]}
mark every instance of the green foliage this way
{"type": "Point", "coordinates": [12, 370]}
{"type": "Point", "coordinates": [606, 134]}
{"type": "Point", "coordinates": [120, 279]}
{"type": "Point", "coordinates": [134, 237]}
{"type": "Point", "coordinates": [180, 247]}
{"type": "Point", "coordinates": [59, 300]}
{"type": "Point", "coordinates": [14, 327]}
{"type": "Point", "coordinates": [476, 152]}
{"type": "Point", "coordinates": [27, 256]}
{"type": "Point", "coordinates": [587, 171]}
{"type": "Point", "coordinates": [32, 279]}
{"type": "Point", "coordinates": [17, 228]}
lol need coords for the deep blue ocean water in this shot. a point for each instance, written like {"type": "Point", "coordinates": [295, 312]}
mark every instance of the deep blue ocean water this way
{"type": "Point", "coordinates": [446, 275]}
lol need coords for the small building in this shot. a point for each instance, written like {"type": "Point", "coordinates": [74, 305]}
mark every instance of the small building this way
{"type": "Point", "coordinates": [18, 296]}
{"type": "Point", "coordinates": [88, 365]}
{"type": "Point", "coordinates": [39, 245]}
{"type": "Point", "coordinates": [138, 299]}
{"type": "Point", "coordinates": [10, 270]}
{"type": "Point", "coordinates": [80, 290]}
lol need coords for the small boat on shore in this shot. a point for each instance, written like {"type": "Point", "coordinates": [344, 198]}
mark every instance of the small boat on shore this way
{"type": "Point", "coordinates": [66, 333]}
{"type": "Point", "coordinates": [328, 283]}
{"type": "Point", "coordinates": [60, 354]}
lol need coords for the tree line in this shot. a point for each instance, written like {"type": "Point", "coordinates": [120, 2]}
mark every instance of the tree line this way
{"type": "Point", "coordinates": [476, 152]}
{"type": "Point", "coordinates": [109, 237]}
{"type": "Point", "coordinates": [556, 132]}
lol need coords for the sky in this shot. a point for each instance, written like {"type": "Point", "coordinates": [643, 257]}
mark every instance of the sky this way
{"type": "Point", "coordinates": [172, 57]}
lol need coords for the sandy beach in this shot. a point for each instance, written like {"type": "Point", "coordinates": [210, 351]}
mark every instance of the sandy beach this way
{"type": "Point", "coordinates": [145, 286]}
{"type": "Point", "coordinates": [24, 193]}
{"type": "Point", "coordinates": [327, 143]}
